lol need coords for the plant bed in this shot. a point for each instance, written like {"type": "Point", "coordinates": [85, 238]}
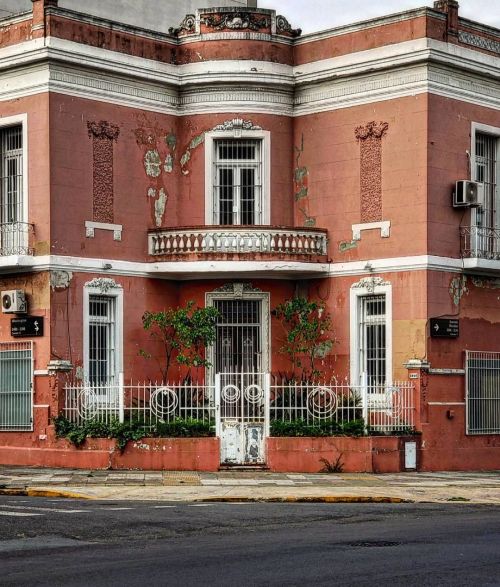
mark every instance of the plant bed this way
{"type": "Point", "coordinates": [123, 432]}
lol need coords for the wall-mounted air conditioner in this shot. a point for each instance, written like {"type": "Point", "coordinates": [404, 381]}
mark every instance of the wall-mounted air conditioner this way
{"type": "Point", "coordinates": [468, 194]}
{"type": "Point", "coordinates": [14, 302]}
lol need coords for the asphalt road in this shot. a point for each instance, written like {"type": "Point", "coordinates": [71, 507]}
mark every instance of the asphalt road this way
{"type": "Point", "coordinates": [91, 543]}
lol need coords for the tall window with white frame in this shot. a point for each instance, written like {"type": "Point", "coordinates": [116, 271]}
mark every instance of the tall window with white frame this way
{"type": "Point", "coordinates": [372, 339]}
{"type": "Point", "coordinates": [102, 336]}
{"type": "Point", "coordinates": [237, 187]}
{"type": "Point", "coordinates": [13, 239]}
{"type": "Point", "coordinates": [487, 174]}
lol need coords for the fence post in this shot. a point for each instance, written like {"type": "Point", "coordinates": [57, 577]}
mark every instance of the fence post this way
{"type": "Point", "coordinates": [121, 399]}
{"type": "Point", "coordinates": [267, 407]}
{"type": "Point", "coordinates": [217, 406]}
{"type": "Point", "coordinates": [364, 399]}
{"type": "Point", "coordinates": [417, 374]}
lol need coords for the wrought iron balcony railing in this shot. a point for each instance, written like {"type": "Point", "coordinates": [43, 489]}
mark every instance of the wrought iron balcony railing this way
{"type": "Point", "coordinates": [479, 242]}
{"type": "Point", "coordinates": [15, 238]}
{"type": "Point", "coordinates": [242, 240]}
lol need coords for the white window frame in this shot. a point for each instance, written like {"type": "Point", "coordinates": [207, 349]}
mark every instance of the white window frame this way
{"type": "Point", "coordinates": [238, 134]}
{"type": "Point", "coordinates": [369, 287]}
{"type": "Point", "coordinates": [492, 131]}
{"type": "Point", "coordinates": [20, 120]}
{"type": "Point", "coordinates": [115, 292]}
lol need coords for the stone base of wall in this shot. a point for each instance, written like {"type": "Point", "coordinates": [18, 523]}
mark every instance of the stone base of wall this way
{"type": "Point", "coordinates": [383, 454]}
{"type": "Point", "coordinates": [152, 454]}
{"type": "Point", "coordinates": [367, 454]}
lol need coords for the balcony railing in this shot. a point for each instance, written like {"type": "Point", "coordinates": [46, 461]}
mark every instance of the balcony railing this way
{"type": "Point", "coordinates": [15, 238]}
{"type": "Point", "coordinates": [266, 240]}
{"type": "Point", "coordinates": [479, 242]}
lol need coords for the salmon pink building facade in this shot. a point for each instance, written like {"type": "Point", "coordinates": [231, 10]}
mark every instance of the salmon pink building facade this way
{"type": "Point", "coordinates": [235, 163]}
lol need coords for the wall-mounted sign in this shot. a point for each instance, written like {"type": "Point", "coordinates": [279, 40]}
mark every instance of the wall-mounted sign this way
{"type": "Point", "coordinates": [27, 326]}
{"type": "Point", "coordinates": [444, 327]}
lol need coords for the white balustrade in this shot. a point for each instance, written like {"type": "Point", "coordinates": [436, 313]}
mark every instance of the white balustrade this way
{"type": "Point", "coordinates": [265, 240]}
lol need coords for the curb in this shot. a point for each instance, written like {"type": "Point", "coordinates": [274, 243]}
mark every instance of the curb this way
{"type": "Point", "coordinates": [35, 492]}
{"type": "Point", "coordinates": [311, 499]}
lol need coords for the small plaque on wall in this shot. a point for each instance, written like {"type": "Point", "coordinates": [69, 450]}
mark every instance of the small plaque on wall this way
{"type": "Point", "coordinates": [444, 327]}
{"type": "Point", "coordinates": [26, 327]}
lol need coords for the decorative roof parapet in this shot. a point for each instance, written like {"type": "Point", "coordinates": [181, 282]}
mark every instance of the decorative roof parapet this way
{"type": "Point", "coordinates": [187, 26]}
{"type": "Point", "coordinates": [234, 19]}
{"type": "Point", "coordinates": [284, 27]}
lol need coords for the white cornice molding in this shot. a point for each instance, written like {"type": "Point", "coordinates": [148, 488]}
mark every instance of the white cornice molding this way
{"type": "Point", "coordinates": [189, 270]}
{"type": "Point", "coordinates": [396, 71]}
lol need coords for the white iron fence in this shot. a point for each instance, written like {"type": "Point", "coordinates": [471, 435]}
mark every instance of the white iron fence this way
{"type": "Point", "coordinates": [389, 408]}
{"type": "Point", "coordinates": [148, 403]}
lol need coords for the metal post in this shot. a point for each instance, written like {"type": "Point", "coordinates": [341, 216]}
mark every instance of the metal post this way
{"type": "Point", "coordinates": [364, 399]}
{"type": "Point", "coordinates": [121, 398]}
{"type": "Point", "coordinates": [217, 406]}
{"type": "Point", "coordinates": [267, 400]}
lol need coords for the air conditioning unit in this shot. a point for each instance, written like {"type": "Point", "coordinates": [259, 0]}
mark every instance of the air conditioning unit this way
{"type": "Point", "coordinates": [14, 302]}
{"type": "Point", "coordinates": [468, 194]}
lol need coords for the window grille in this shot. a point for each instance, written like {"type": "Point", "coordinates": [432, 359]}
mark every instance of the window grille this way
{"type": "Point", "coordinates": [486, 173]}
{"type": "Point", "coordinates": [16, 386]}
{"type": "Point", "coordinates": [237, 182]}
{"type": "Point", "coordinates": [102, 339]}
{"type": "Point", "coordinates": [11, 205]}
{"type": "Point", "coordinates": [372, 339]}
{"type": "Point", "coordinates": [482, 392]}
{"type": "Point", "coordinates": [238, 341]}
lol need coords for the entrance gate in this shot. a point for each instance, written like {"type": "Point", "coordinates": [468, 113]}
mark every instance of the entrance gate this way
{"type": "Point", "coordinates": [242, 416]}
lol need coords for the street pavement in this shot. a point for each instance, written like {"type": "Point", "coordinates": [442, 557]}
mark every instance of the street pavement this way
{"type": "Point", "coordinates": [180, 486]}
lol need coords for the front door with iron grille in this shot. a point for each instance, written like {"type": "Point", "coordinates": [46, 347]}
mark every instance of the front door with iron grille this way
{"type": "Point", "coordinates": [241, 395]}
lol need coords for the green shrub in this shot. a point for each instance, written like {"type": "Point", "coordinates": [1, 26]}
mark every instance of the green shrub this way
{"type": "Point", "coordinates": [122, 432]}
{"type": "Point", "coordinates": [298, 428]}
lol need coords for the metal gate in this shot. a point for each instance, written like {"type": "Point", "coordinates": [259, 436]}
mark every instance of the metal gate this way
{"type": "Point", "coordinates": [16, 386]}
{"type": "Point", "coordinates": [242, 416]}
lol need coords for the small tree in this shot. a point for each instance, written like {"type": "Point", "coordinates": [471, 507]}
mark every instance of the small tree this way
{"type": "Point", "coordinates": [308, 333]}
{"type": "Point", "coordinates": [184, 333]}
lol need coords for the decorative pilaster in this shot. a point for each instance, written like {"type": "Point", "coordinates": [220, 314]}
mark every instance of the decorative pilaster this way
{"type": "Point", "coordinates": [103, 135]}
{"type": "Point", "coordinates": [370, 138]}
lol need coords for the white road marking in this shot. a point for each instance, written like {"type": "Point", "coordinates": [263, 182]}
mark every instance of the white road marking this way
{"type": "Point", "coordinates": [200, 505]}
{"type": "Point", "coordinates": [116, 509]}
{"type": "Point", "coordinates": [19, 514]}
{"type": "Point", "coordinates": [161, 507]}
{"type": "Point", "coordinates": [39, 509]}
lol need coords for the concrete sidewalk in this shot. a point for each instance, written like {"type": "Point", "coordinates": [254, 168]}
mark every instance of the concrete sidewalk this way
{"type": "Point", "coordinates": [252, 485]}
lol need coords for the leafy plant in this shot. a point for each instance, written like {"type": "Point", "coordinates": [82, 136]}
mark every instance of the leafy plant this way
{"type": "Point", "coordinates": [331, 466]}
{"type": "Point", "coordinates": [308, 334]}
{"type": "Point", "coordinates": [184, 334]}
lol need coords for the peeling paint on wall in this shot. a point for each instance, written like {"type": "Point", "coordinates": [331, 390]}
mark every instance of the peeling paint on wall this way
{"type": "Point", "coordinates": [458, 288]}
{"type": "Point", "coordinates": [347, 246]}
{"type": "Point", "coordinates": [160, 205]}
{"type": "Point", "coordinates": [152, 163]}
{"type": "Point", "coordinates": [168, 167]}
{"type": "Point", "coordinates": [193, 144]}
{"type": "Point", "coordinates": [159, 147]}
{"type": "Point", "coordinates": [301, 185]}
{"type": "Point", "coordinates": [486, 282]}
{"type": "Point", "coordinates": [60, 279]}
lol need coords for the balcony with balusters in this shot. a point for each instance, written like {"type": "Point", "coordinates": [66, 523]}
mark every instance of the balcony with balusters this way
{"type": "Point", "coordinates": [239, 243]}
{"type": "Point", "coordinates": [480, 248]}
